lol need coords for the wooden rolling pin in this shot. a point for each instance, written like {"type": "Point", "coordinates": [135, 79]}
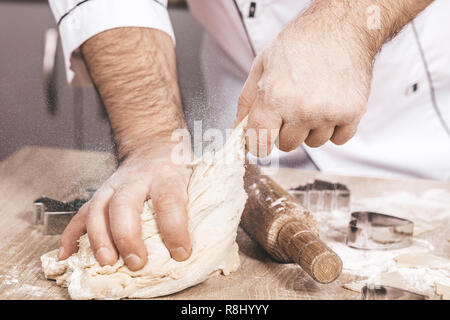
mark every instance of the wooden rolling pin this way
{"type": "Point", "coordinates": [285, 229]}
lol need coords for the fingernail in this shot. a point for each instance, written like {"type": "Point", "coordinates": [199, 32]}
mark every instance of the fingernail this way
{"type": "Point", "coordinates": [180, 253]}
{"type": "Point", "coordinates": [104, 256]}
{"type": "Point", "coordinates": [133, 261]}
{"type": "Point", "coordinates": [60, 253]}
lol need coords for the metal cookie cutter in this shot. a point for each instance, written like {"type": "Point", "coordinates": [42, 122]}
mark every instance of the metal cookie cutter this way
{"type": "Point", "coordinates": [322, 196]}
{"type": "Point", "coordinates": [376, 231]}
{"type": "Point", "coordinates": [376, 292]}
{"type": "Point", "coordinates": [55, 215]}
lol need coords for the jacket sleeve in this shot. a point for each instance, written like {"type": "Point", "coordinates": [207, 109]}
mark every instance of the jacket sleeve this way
{"type": "Point", "coordinates": [79, 20]}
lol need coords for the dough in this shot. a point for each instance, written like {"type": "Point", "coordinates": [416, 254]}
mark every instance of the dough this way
{"type": "Point", "coordinates": [392, 279]}
{"type": "Point", "coordinates": [422, 273]}
{"type": "Point", "coordinates": [216, 201]}
{"type": "Point", "coordinates": [355, 285]}
{"type": "Point", "coordinates": [442, 290]}
{"type": "Point", "coordinates": [423, 227]}
{"type": "Point", "coordinates": [422, 261]}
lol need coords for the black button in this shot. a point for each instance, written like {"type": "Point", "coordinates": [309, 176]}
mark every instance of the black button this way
{"type": "Point", "coordinates": [251, 12]}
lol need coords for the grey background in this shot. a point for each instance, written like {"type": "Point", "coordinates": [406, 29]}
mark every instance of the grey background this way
{"type": "Point", "coordinates": [80, 121]}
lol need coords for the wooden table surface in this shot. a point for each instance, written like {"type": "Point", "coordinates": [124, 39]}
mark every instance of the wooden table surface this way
{"type": "Point", "coordinates": [63, 174]}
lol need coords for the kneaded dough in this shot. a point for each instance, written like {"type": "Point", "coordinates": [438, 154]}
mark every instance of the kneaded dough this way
{"type": "Point", "coordinates": [216, 201]}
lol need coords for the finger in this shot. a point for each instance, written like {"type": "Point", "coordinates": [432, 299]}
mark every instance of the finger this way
{"type": "Point", "coordinates": [343, 133]}
{"type": "Point", "coordinates": [98, 228]}
{"type": "Point", "coordinates": [125, 210]}
{"type": "Point", "coordinates": [262, 130]}
{"type": "Point", "coordinates": [291, 136]}
{"type": "Point", "coordinates": [318, 137]}
{"type": "Point", "coordinates": [74, 230]}
{"type": "Point", "coordinates": [249, 91]}
{"type": "Point", "coordinates": [169, 200]}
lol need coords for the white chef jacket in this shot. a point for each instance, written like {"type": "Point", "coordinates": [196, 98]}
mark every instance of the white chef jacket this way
{"type": "Point", "coordinates": [406, 129]}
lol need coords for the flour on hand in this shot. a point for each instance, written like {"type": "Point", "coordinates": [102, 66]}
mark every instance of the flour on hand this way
{"type": "Point", "coordinates": [216, 201]}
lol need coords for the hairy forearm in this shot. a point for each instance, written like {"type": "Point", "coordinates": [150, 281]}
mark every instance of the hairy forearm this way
{"type": "Point", "coordinates": [134, 70]}
{"type": "Point", "coordinates": [370, 22]}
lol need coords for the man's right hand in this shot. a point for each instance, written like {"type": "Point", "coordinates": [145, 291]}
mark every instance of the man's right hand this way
{"type": "Point", "coordinates": [112, 217]}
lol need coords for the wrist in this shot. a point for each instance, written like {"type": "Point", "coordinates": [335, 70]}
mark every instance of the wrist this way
{"type": "Point", "coordinates": [333, 28]}
{"type": "Point", "coordinates": [167, 145]}
{"type": "Point", "coordinates": [371, 23]}
{"type": "Point", "coordinates": [343, 23]}
{"type": "Point", "coordinates": [147, 133]}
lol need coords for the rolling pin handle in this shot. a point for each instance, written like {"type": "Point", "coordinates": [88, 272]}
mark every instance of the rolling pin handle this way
{"type": "Point", "coordinates": [306, 249]}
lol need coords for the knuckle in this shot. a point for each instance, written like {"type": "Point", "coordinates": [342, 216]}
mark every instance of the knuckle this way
{"type": "Point", "coordinates": [339, 140]}
{"type": "Point", "coordinates": [331, 116]}
{"type": "Point", "coordinates": [286, 147]}
{"type": "Point", "coordinates": [120, 197]}
{"type": "Point", "coordinates": [172, 180]}
{"type": "Point", "coordinates": [94, 205]}
{"type": "Point", "coordinates": [312, 144]}
{"type": "Point", "coordinates": [257, 120]}
{"type": "Point", "coordinates": [285, 141]}
{"type": "Point", "coordinates": [278, 94]}
{"type": "Point", "coordinates": [169, 203]}
{"type": "Point", "coordinates": [311, 113]}
{"type": "Point", "coordinates": [127, 192]}
{"type": "Point", "coordinates": [123, 239]}
{"type": "Point", "coordinates": [173, 239]}
{"type": "Point", "coordinates": [315, 142]}
{"type": "Point", "coordinates": [343, 135]}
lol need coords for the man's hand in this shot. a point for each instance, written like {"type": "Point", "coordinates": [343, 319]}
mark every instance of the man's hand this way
{"type": "Point", "coordinates": [312, 83]}
{"type": "Point", "coordinates": [112, 217]}
{"type": "Point", "coordinates": [134, 70]}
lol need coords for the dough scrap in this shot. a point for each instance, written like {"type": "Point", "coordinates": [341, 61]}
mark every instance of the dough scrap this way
{"type": "Point", "coordinates": [442, 290]}
{"type": "Point", "coordinates": [422, 273]}
{"type": "Point", "coordinates": [422, 261]}
{"type": "Point", "coordinates": [423, 227]}
{"type": "Point", "coordinates": [355, 285]}
{"type": "Point", "coordinates": [216, 201]}
{"type": "Point", "coordinates": [392, 279]}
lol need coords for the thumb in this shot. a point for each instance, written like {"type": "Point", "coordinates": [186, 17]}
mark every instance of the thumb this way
{"type": "Point", "coordinates": [169, 198]}
{"type": "Point", "coordinates": [249, 91]}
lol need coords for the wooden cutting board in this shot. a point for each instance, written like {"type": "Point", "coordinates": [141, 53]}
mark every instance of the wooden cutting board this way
{"type": "Point", "coordinates": [62, 174]}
